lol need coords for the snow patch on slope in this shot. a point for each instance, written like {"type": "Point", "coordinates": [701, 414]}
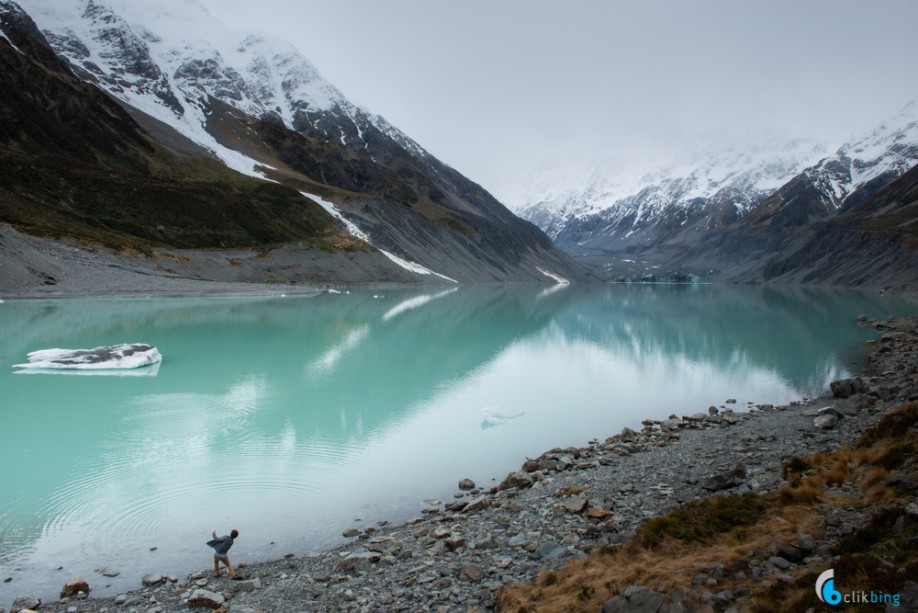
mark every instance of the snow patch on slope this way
{"type": "Point", "coordinates": [356, 232]}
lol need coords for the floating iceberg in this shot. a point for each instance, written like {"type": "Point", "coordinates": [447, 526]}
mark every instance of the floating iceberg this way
{"type": "Point", "coordinates": [101, 360]}
{"type": "Point", "coordinates": [495, 417]}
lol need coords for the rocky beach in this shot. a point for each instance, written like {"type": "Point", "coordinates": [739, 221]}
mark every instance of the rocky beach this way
{"type": "Point", "coordinates": [461, 554]}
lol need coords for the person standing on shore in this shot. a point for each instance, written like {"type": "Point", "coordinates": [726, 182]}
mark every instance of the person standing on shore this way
{"type": "Point", "coordinates": [221, 547]}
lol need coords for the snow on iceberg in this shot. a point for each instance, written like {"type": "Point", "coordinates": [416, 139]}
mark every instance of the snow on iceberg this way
{"type": "Point", "coordinates": [108, 358]}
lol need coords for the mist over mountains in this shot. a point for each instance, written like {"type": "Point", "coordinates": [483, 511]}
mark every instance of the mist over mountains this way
{"type": "Point", "coordinates": [728, 209]}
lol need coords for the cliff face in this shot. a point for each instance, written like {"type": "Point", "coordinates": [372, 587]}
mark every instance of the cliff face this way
{"type": "Point", "coordinates": [872, 243]}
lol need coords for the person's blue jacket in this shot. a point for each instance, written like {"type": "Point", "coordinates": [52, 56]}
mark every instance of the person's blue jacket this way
{"type": "Point", "coordinates": [221, 545]}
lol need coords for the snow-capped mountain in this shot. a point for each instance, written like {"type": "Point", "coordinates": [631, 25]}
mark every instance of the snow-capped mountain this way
{"type": "Point", "coordinates": [253, 102]}
{"type": "Point", "coordinates": [717, 186]}
{"type": "Point", "coordinates": [719, 181]}
{"type": "Point", "coordinates": [872, 158]}
{"type": "Point", "coordinates": [170, 60]}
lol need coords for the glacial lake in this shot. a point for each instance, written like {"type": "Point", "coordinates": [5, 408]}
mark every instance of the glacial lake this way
{"type": "Point", "coordinates": [294, 418]}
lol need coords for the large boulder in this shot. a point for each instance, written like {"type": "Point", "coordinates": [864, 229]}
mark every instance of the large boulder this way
{"type": "Point", "coordinates": [153, 579]}
{"type": "Point", "coordinates": [25, 604]}
{"type": "Point", "coordinates": [205, 599]}
{"type": "Point", "coordinates": [517, 479]}
{"type": "Point", "coordinates": [636, 599]}
{"type": "Point", "coordinates": [727, 480]}
{"type": "Point", "coordinates": [826, 421]}
{"type": "Point", "coordinates": [845, 388]}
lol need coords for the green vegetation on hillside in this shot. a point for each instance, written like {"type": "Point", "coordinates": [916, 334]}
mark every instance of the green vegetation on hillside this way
{"type": "Point", "coordinates": [73, 163]}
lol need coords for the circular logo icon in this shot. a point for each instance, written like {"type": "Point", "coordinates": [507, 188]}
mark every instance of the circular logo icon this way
{"type": "Point", "coordinates": [825, 588]}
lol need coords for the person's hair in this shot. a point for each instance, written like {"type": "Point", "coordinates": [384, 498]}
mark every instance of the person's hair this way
{"type": "Point", "coordinates": [234, 533]}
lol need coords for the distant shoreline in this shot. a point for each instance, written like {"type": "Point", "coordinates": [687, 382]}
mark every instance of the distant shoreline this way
{"type": "Point", "coordinates": [42, 268]}
{"type": "Point", "coordinates": [36, 267]}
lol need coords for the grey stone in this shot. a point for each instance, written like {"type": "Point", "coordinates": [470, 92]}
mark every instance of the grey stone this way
{"type": "Point", "coordinates": [471, 572]}
{"type": "Point", "coordinates": [576, 505]}
{"type": "Point", "coordinates": [359, 560]}
{"type": "Point", "coordinates": [477, 504]}
{"type": "Point", "coordinates": [779, 562]}
{"type": "Point", "coordinates": [845, 388]}
{"type": "Point", "coordinates": [466, 484]}
{"type": "Point", "coordinates": [551, 550]}
{"type": "Point", "coordinates": [385, 545]}
{"type": "Point", "coordinates": [247, 585]}
{"type": "Point", "coordinates": [733, 478]}
{"type": "Point", "coordinates": [806, 542]}
{"type": "Point", "coordinates": [455, 507]}
{"type": "Point", "coordinates": [205, 599]}
{"type": "Point", "coordinates": [517, 479]}
{"type": "Point", "coordinates": [682, 600]}
{"type": "Point", "coordinates": [790, 552]}
{"type": "Point", "coordinates": [25, 603]}
{"type": "Point", "coordinates": [826, 421]}
{"type": "Point", "coordinates": [830, 411]}
{"type": "Point", "coordinates": [616, 604]}
{"type": "Point", "coordinates": [636, 599]}
{"type": "Point", "coordinates": [645, 601]}
{"type": "Point", "coordinates": [153, 579]}
{"type": "Point", "coordinates": [530, 466]}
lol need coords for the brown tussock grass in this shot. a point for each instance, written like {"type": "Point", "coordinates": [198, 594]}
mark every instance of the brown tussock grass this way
{"type": "Point", "coordinates": [801, 490]}
{"type": "Point", "coordinates": [873, 476]}
{"type": "Point", "coordinates": [584, 585]}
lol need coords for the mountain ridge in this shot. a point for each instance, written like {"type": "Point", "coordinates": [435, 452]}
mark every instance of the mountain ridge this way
{"type": "Point", "coordinates": [739, 218]}
{"type": "Point", "coordinates": [198, 108]}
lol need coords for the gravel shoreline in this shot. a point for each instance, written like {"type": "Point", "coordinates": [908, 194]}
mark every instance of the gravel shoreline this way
{"type": "Point", "coordinates": [37, 267]}
{"type": "Point", "coordinates": [459, 554]}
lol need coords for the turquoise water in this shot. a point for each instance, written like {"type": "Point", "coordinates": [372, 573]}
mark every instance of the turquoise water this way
{"type": "Point", "coordinates": [294, 418]}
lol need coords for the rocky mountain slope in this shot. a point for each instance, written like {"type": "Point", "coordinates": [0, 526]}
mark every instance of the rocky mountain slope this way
{"type": "Point", "coordinates": [203, 113]}
{"type": "Point", "coordinates": [727, 210]}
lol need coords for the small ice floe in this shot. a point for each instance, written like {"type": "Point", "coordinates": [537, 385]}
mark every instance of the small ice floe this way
{"type": "Point", "coordinates": [111, 359]}
{"type": "Point", "coordinates": [493, 416]}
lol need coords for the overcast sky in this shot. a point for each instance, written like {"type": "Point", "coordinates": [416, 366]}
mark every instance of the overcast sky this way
{"type": "Point", "coordinates": [500, 89]}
